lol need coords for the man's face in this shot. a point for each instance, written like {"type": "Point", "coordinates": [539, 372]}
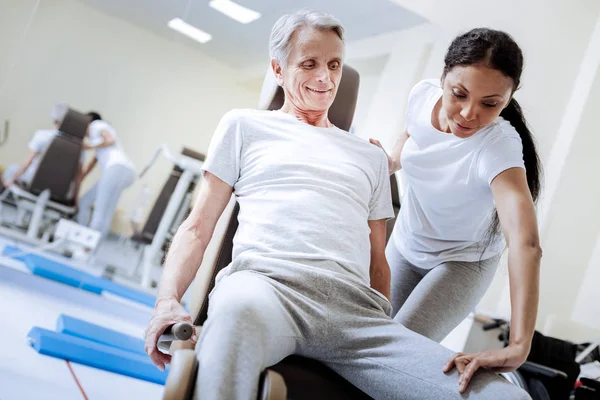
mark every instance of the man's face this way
{"type": "Point", "coordinates": [313, 71]}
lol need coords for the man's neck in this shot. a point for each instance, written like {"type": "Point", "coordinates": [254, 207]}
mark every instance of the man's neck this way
{"type": "Point", "coordinates": [314, 118]}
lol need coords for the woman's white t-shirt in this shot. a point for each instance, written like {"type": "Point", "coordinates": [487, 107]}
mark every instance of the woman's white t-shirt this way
{"type": "Point", "coordinates": [110, 155]}
{"type": "Point", "coordinates": [447, 206]}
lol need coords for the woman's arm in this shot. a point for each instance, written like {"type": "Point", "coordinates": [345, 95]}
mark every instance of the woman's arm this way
{"type": "Point", "coordinates": [394, 157]}
{"type": "Point", "coordinates": [519, 224]}
{"type": "Point", "coordinates": [518, 220]}
{"type": "Point", "coordinates": [88, 169]}
{"type": "Point", "coordinates": [107, 140]}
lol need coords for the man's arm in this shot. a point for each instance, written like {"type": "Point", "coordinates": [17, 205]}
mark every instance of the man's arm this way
{"type": "Point", "coordinates": [188, 246]}
{"type": "Point", "coordinates": [30, 157]}
{"type": "Point", "coordinates": [379, 270]}
{"type": "Point", "coordinates": [183, 260]}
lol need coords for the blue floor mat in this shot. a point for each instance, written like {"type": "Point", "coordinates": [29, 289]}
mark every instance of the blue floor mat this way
{"type": "Point", "coordinates": [96, 355]}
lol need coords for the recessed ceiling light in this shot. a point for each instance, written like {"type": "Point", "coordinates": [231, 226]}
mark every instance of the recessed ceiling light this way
{"type": "Point", "coordinates": [235, 11]}
{"type": "Point", "coordinates": [188, 30]}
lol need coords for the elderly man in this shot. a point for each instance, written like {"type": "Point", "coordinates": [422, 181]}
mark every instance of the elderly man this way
{"type": "Point", "coordinates": [309, 274]}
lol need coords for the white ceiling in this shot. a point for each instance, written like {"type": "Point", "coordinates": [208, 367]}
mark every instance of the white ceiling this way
{"type": "Point", "coordinates": [243, 46]}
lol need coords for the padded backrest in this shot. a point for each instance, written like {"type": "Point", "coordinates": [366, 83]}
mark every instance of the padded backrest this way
{"type": "Point", "coordinates": [342, 110]}
{"type": "Point", "coordinates": [217, 256]}
{"type": "Point", "coordinates": [161, 202]}
{"type": "Point", "coordinates": [395, 204]}
{"type": "Point", "coordinates": [60, 161]}
{"type": "Point", "coordinates": [75, 124]}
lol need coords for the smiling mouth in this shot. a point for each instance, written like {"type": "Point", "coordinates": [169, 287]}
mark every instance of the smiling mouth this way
{"type": "Point", "coordinates": [319, 91]}
{"type": "Point", "coordinates": [462, 127]}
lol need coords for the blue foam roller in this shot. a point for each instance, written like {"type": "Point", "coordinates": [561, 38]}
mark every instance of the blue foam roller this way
{"type": "Point", "coordinates": [62, 273]}
{"type": "Point", "coordinates": [96, 355]}
{"type": "Point", "coordinates": [56, 271]}
{"type": "Point", "coordinates": [99, 285]}
{"type": "Point", "coordinates": [99, 334]}
{"type": "Point", "coordinates": [11, 251]}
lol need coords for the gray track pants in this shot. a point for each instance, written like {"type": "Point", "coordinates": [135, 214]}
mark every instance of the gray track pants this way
{"type": "Point", "coordinates": [433, 302]}
{"type": "Point", "coordinates": [258, 318]}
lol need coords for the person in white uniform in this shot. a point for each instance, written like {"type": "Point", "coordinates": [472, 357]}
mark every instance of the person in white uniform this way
{"type": "Point", "coordinates": [118, 173]}
{"type": "Point", "coordinates": [40, 141]}
{"type": "Point", "coordinates": [472, 176]}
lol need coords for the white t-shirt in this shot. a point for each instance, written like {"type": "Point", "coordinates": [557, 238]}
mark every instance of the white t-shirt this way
{"type": "Point", "coordinates": [306, 194]}
{"type": "Point", "coordinates": [111, 155]}
{"type": "Point", "coordinates": [448, 205]}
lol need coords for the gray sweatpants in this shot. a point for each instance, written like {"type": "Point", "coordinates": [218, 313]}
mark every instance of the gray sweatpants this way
{"type": "Point", "coordinates": [256, 319]}
{"type": "Point", "coordinates": [433, 302]}
{"type": "Point", "coordinates": [104, 196]}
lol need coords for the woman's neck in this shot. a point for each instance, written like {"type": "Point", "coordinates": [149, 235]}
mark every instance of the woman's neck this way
{"type": "Point", "coordinates": [439, 119]}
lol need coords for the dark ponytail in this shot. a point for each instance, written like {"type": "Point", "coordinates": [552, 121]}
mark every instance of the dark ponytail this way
{"type": "Point", "coordinates": [497, 50]}
{"type": "Point", "coordinates": [513, 114]}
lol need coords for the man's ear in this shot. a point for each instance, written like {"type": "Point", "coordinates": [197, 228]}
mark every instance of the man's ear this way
{"type": "Point", "coordinates": [277, 71]}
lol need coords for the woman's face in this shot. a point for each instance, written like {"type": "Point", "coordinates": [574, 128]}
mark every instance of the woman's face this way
{"type": "Point", "coordinates": [473, 97]}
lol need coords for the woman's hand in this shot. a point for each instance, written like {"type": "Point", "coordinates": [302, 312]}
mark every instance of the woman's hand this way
{"type": "Point", "coordinates": [502, 360]}
{"type": "Point", "coordinates": [391, 164]}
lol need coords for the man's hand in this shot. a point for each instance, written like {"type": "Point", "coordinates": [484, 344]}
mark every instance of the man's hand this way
{"type": "Point", "coordinates": [502, 360]}
{"type": "Point", "coordinates": [166, 313]}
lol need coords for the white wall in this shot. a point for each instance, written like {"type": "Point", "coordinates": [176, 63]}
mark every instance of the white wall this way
{"type": "Point", "coordinates": [152, 90]}
{"type": "Point", "coordinates": [571, 264]}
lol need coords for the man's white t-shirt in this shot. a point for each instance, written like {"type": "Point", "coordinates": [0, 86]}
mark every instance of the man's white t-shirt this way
{"type": "Point", "coordinates": [447, 206]}
{"type": "Point", "coordinates": [111, 155]}
{"type": "Point", "coordinates": [306, 194]}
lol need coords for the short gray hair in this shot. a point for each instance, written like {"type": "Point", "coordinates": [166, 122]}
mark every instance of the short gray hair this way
{"type": "Point", "coordinates": [284, 28]}
{"type": "Point", "coordinates": [59, 111]}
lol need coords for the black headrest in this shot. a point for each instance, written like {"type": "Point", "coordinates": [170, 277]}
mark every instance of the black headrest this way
{"type": "Point", "coordinates": [75, 124]}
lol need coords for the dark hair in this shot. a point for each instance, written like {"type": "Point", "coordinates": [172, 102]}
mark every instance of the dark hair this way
{"type": "Point", "coordinates": [497, 50]}
{"type": "Point", "coordinates": [95, 116]}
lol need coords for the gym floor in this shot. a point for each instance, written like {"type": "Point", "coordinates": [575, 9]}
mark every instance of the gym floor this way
{"type": "Point", "coordinates": [27, 301]}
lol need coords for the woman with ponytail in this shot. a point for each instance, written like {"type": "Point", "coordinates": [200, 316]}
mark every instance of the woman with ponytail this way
{"type": "Point", "coordinates": [472, 177]}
